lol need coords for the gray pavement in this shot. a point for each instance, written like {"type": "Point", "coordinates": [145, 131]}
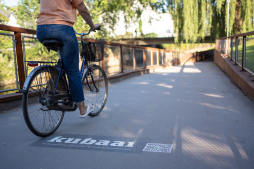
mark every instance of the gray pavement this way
{"type": "Point", "coordinates": [194, 107]}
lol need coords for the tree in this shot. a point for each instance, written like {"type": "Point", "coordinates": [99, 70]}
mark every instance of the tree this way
{"type": "Point", "coordinates": [102, 11]}
{"type": "Point", "coordinates": [193, 18]}
{"type": "Point", "coordinates": [27, 12]}
{"type": "Point", "coordinates": [107, 13]}
{"type": "Point", "coordinates": [3, 17]}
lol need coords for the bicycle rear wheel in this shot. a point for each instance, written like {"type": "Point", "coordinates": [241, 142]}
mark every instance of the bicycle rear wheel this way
{"type": "Point", "coordinates": [95, 87]}
{"type": "Point", "coordinates": [39, 117]}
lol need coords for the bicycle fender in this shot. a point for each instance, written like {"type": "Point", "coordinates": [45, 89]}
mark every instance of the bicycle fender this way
{"type": "Point", "coordinates": [28, 78]}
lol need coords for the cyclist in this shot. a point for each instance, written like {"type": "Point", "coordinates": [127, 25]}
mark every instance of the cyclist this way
{"type": "Point", "coordinates": [55, 21]}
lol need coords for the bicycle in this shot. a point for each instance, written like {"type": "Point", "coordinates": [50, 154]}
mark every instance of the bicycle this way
{"type": "Point", "coordinates": [46, 94]}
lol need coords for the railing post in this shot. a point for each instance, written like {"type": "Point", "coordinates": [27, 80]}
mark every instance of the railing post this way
{"type": "Point", "coordinates": [158, 57]}
{"type": "Point", "coordinates": [243, 52]}
{"type": "Point", "coordinates": [121, 56]}
{"type": "Point", "coordinates": [144, 58]}
{"type": "Point", "coordinates": [231, 58]}
{"type": "Point", "coordinates": [102, 62]}
{"type": "Point", "coordinates": [236, 48]}
{"type": "Point", "coordinates": [20, 60]}
{"type": "Point", "coordinates": [135, 60]}
{"type": "Point", "coordinates": [152, 64]}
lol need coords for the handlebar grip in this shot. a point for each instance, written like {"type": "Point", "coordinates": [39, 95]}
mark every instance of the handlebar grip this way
{"type": "Point", "coordinates": [98, 28]}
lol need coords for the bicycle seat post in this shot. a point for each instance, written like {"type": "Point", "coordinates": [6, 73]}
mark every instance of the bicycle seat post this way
{"type": "Point", "coordinates": [59, 54]}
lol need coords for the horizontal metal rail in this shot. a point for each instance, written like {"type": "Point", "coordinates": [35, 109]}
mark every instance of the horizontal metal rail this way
{"type": "Point", "coordinates": [19, 39]}
{"type": "Point", "coordinates": [6, 34]}
{"type": "Point", "coordinates": [234, 45]}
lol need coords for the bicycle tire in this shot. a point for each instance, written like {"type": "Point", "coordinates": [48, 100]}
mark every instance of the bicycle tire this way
{"type": "Point", "coordinates": [95, 98]}
{"type": "Point", "coordinates": [39, 120]}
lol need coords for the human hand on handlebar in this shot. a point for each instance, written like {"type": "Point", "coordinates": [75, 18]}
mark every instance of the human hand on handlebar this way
{"type": "Point", "coordinates": [96, 27]}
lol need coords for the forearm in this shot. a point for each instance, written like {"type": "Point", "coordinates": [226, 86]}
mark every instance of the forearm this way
{"type": "Point", "coordinates": [83, 11]}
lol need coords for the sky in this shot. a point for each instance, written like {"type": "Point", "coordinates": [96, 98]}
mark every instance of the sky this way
{"type": "Point", "coordinates": [10, 2]}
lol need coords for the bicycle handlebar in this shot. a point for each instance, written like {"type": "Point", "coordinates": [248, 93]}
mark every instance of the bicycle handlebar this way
{"type": "Point", "coordinates": [82, 34]}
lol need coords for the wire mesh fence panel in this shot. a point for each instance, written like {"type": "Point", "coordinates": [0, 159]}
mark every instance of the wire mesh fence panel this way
{"type": "Point", "coordinates": [168, 57]}
{"type": "Point", "coordinates": [160, 58]}
{"type": "Point", "coordinates": [233, 49]}
{"type": "Point", "coordinates": [249, 55]}
{"type": "Point", "coordinates": [8, 64]}
{"type": "Point", "coordinates": [239, 50]}
{"type": "Point", "coordinates": [148, 58]}
{"type": "Point", "coordinates": [174, 55]}
{"type": "Point", "coordinates": [112, 60]}
{"type": "Point", "coordinates": [139, 58]}
{"type": "Point", "coordinates": [33, 50]}
{"type": "Point", "coordinates": [222, 45]}
{"type": "Point", "coordinates": [128, 56]}
{"type": "Point", "coordinates": [228, 42]}
{"type": "Point", "coordinates": [155, 58]}
{"type": "Point", "coordinates": [216, 43]}
{"type": "Point", "coordinates": [164, 58]}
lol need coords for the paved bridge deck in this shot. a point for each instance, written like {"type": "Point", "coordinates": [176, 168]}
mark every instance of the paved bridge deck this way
{"type": "Point", "coordinates": [194, 107]}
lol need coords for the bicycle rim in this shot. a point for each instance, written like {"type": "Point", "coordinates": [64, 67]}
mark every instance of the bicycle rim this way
{"type": "Point", "coordinates": [39, 118]}
{"type": "Point", "coordinates": [95, 87]}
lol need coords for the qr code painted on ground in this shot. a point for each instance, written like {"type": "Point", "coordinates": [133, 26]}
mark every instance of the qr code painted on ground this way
{"type": "Point", "coordinates": [157, 147]}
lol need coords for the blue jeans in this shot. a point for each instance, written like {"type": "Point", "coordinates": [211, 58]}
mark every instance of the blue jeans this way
{"type": "Point", "coordinates": [69, 53]}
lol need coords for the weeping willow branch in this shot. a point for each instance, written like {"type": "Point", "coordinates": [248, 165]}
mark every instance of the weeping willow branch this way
{"type": "Point", "coordinates": [194, 19]}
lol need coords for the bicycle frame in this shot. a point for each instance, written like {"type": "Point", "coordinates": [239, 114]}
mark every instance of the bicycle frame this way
{"type": "Point", "coordinates": [60, 69]}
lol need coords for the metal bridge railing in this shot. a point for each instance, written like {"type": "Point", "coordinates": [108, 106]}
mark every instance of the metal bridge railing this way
{"type": "Point", "coordinates": [8, 76]}
{"type": "Point", "coordinates": [239, 49]}
{"type": "Point", "coordinates": [118, 58]}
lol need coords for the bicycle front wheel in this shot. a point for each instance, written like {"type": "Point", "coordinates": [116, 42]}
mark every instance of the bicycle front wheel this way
{"type": "Point", "coordinates": [95, 87]}
{"type": "Point", "coordinates": [40, 118]}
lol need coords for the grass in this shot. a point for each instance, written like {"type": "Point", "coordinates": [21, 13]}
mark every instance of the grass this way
{"type": "Point", "coordinates": [249, 54]}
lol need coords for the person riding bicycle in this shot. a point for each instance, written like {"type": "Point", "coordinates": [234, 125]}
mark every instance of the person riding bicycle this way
{"type": "Point", "coordinates": [55, 21]}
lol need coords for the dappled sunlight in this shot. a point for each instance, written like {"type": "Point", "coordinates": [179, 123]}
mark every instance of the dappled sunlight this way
{"type": "Point", "coordinates": [136, 134]}
{"type": "Point", "coordinates": [141, 83]}
{"type": "Point", "coordinates": [209, 150]}
{"type": "Point", "coordinates": [196, 145]}
{"type": "Point", "coordinates": [206, 94]}
{"type": "Point", "coordinates": [218, 107]}
{"type": "Point", "coordinates": [186, 68]}
{"type": "Point", "coordinates": [165, 85]}
{"type": "Point", "coordinates": [191, 70]}
{"type": "Point", "coordinates": [213, 95]}
{"type": "Point", "coordinates": [135, 121]}
{"type": "Point", "coordinates": [104, 115]}
{"type": "Point", "coordinates": [166, 93]}
{"type": "Point", "coordinates": [106, 108]}
{"type": "Point", "coordinates": [240, 149]}
{"type": "Point", "coordinates": [174, 69]}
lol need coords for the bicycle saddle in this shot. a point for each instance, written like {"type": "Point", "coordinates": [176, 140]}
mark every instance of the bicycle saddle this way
{"type": "Point", "coordinates": [53, 44]}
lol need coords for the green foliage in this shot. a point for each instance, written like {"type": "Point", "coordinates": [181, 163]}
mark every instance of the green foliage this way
{"type": "Point", "coordinates": [150, 35]}
{"type": "Point", "coordinates": [107, 13]}
{"type": "Point", "coordinates": [27, 12]}
{"type": "Point", "coordinates": [3, 18]}
{"type": "Point", "coordinates": [7, 71]}
{"type": "Point", "coordinates": [194, 18]}
{"type": "Point", "coordinates": [34, 51]}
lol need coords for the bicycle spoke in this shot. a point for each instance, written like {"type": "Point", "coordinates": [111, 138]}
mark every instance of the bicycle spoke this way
{"type": "Point", "coordinates": [43, 120]}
